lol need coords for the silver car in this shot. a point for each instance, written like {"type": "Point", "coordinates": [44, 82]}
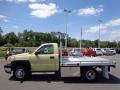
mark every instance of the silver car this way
{"type": "Point", "coordinates": [98, 51]}
{"type": "Point", "coordinates": [76, 52]}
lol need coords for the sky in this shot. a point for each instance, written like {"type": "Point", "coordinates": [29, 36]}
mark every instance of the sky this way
{"type": "Point", "coordinates": [90, 16]}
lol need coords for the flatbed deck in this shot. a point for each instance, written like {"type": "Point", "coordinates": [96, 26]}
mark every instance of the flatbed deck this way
{"type": "Point", "coordinates": [85, 61]}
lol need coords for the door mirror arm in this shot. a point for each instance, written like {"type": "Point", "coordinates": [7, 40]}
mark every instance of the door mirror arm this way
{"type": "Point", "coordinates": [36, 53]}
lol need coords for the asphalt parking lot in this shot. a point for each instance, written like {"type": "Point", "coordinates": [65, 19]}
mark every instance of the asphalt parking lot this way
{"type": "Point", "coordinates": [50, 82]}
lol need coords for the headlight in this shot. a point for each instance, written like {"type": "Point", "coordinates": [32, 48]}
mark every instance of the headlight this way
{"type": "Point", "coordinates": [10, 59]}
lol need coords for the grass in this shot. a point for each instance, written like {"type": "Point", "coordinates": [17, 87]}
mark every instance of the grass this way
{"type": "Point", "coordinates": [3, 50]}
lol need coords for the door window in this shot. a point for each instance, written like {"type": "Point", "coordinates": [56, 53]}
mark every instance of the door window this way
{"type": "Point", "coordinates": [47, 49]}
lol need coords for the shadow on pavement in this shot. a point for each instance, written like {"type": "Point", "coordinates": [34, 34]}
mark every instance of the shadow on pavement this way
{"type": "Point", "coordinates": [77, 80]}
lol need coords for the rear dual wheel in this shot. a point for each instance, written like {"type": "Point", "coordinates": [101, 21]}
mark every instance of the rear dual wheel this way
{"type": "Point", "coordinates": [89, 74]}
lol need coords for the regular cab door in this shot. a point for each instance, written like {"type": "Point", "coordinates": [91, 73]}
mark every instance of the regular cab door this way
{"type": "Point", "coordinates": [44, 59]}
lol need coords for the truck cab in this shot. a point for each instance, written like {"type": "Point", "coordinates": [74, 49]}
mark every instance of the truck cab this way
{"type": "Point", "coordinates": [44, 58]}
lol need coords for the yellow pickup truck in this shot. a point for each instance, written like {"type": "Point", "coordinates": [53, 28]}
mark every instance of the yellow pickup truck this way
{"type": "Point", "coordinates": [48, 58]}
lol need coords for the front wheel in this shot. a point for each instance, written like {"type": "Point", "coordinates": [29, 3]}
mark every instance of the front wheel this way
{"type": "Point", "coordinates": [21, 73]}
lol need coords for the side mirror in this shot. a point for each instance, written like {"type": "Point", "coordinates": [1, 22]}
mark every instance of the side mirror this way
{"type": "Point", "coordinates": [36, 53]}
{"type": "Point", "coordinates": [30, 51]}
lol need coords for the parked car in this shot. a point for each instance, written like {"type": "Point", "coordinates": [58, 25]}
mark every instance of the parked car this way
{"type": "Point", "coordinates": [88, 52]}
{"type": "Point", "coordinates": [64, 52]}
{"type": "Point", "coordinates": [16, 51]}
{"type": "Point", "coordinates": [113, 50]}
{"type": "Point", "coordinates": [98, 51]}
{"type": "Point", "coordinates": [107, 51]}
{"type": "Point", "coordinates": [76, 52]}
{"type": "Point", "coordinates": [104, 51]}
{"type": "Point", "coordinates": [118, 50]}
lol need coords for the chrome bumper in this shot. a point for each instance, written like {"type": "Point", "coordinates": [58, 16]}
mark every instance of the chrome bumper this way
{"type": "Point", "coordinates": [7, 68]}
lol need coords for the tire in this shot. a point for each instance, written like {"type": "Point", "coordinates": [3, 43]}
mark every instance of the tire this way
{"type": "Point", "coordinates": [89, 74]}
{"type": "Point", "coordinates": [21, 73]}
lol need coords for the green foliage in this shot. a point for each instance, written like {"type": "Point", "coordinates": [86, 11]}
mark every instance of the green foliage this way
{"type": "Point", "coordinates": [2, 54]}
{"type": "Point", "coordinates": [28, 38]}
{"type": "Point", "coordinates": [11, 38]}
{"type": "Point", "coordinates": [9, 46]}
{"type": "Point", "coordinates": [2, 51]}
{"type": "Point", "coordinates": [1, 30]}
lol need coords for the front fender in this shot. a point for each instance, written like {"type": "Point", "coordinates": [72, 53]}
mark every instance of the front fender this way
{"type": "Point", "coordinates": [18, 63]}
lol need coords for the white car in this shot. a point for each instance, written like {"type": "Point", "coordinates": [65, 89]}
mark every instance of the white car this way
{"type": "Point", "coordinates": [98, 51]}
{"type": "Point", "coordinates": [112, 50]}
{"type": "Point", "coordinates": [104, 51]}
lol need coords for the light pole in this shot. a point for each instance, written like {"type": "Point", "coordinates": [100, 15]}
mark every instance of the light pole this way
{"type": "Point", "coordinates": [81, 38]}
{"type": "Point", "coordinates": [100, 21]}
{"type": "Point", "coordinates": [117, 42]}
{"type": "Point", "coordinates": [66, 35]}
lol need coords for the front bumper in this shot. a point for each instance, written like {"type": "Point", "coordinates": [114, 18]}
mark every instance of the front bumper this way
{"type": "Point", "coordinates": [7, 68]}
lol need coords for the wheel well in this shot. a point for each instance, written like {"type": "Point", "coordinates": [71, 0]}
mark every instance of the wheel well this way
{"type": "Point", "coordinates": [86, 67]}
{"type": "Point", "coordinates": [20, 63]}
{"type": "Point", "coordinates": [83, 68]}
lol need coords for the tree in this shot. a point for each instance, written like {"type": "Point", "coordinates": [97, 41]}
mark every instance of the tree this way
{"type": "Point", "coordinates": [1, 31]}
{"type": "Point", "coordinates": [96, 43]}
{"type": "Point", "coordinates": [30, 38]}
{"type": "Point", "coordinates": [11, 38]}
{"type": "Point", "coordinates": [26, 38]}
{"type": "Point", "coordinates": [1, 37]}
{"type": "Point", "coordinates": [1, 40]}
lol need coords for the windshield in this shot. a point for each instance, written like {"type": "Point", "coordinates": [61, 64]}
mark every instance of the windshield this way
{"type": "Point", "coordinates": [18, 50]}
{"type": "Point", "coordinates": [111, 49]}
{"type": "Point", "coordinates": [78, 50]}
{"type": "Point", "coordinates": [97, 49]}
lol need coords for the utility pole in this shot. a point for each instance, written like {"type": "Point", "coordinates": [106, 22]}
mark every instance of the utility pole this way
{"type": "Point", "coordinates": [117, 46]}
{"type": "Point", "coordinates": [81, 38]}
{"type": "Point", "coordinates": [100, 21]}
{"type": "Point", "coordinates": [66, 34]}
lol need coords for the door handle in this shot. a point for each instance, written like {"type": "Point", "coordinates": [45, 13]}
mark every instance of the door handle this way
{"type": "Point", "coordinates": [52, 57]}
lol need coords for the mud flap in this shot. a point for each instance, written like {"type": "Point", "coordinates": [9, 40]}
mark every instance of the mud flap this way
{"type": "Point", "coordinates": [105, 72]}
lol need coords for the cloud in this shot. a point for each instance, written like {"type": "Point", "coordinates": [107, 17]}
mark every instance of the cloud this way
{"type": "Point", "coordinates": [17, 1]}
{"type": "Point", "coordinates": [15, 26]}
{"type": "Point", "coordinates": [33, 1]}
{"type": "Point", "coordinates": [95, 29]}
{"type": "Point", "coordinates": [115, 35]}
{"type": "Point", "coordinates": [114, 22]}
{"type": "Point", "coordinates": [104, 27]}
{"type": "Point", "coordinates": [90, 11]}
{"type": "Point", "coordinates": [9, 0]}
{"type": "Point", "coordinates": [3, 18]}
{"type": "Point", "coordinates": [43, 10]}
{"type": "Point", "coordinates": [24, 1]}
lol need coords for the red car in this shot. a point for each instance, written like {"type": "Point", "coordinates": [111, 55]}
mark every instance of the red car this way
{"type": "Point", "coordinates": [64, 52]}
{"type": "Point", "coordinates": [88, 52]}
